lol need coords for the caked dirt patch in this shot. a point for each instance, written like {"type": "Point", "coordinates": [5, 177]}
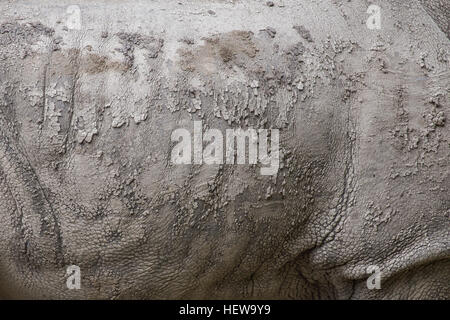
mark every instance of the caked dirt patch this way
{"type": "Point", "coordinates": [93, 64]}
{"type": "Point", "coordinates": [234, 47]}
{"type": "Point", "coordinates": [69, 62]}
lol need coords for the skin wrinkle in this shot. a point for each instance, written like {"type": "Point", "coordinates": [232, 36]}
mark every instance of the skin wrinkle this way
{"type": "Point", "coordinates": [439, 10]}
{"type": "Point", "coordinates": [86, 158]}
{"type": "Point", "coordinates": [12, 165]}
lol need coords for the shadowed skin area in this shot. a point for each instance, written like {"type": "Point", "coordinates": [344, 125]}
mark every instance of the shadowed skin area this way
{"type": "Point", "coordinates": [86, 176]}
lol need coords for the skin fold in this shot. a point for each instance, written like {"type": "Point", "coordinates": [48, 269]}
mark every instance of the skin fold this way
{"type": "Point", "coordinates": [87, 108]}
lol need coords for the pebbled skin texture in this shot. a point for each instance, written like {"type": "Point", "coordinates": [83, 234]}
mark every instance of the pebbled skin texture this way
{"type": "Point", "coordinates": [85, 174]}
{"type": "Point", "coordinates": [439, 10]}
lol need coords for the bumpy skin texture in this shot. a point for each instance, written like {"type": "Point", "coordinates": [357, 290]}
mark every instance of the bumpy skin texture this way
{"type": "Point", "coordinates": [439, 10]}
{"type": "Point", "coordinates": [85, 173]}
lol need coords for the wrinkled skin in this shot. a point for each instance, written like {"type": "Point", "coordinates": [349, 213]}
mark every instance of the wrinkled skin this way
{"type": "Point", "coordinates": [85, 173]}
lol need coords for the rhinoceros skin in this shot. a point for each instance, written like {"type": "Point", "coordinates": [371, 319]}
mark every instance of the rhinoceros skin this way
{"type": "Point", "coordinates": [88, 104]}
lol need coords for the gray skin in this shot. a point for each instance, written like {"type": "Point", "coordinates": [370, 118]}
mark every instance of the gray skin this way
{"type": "Point", "coordinates": [85, 172]}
